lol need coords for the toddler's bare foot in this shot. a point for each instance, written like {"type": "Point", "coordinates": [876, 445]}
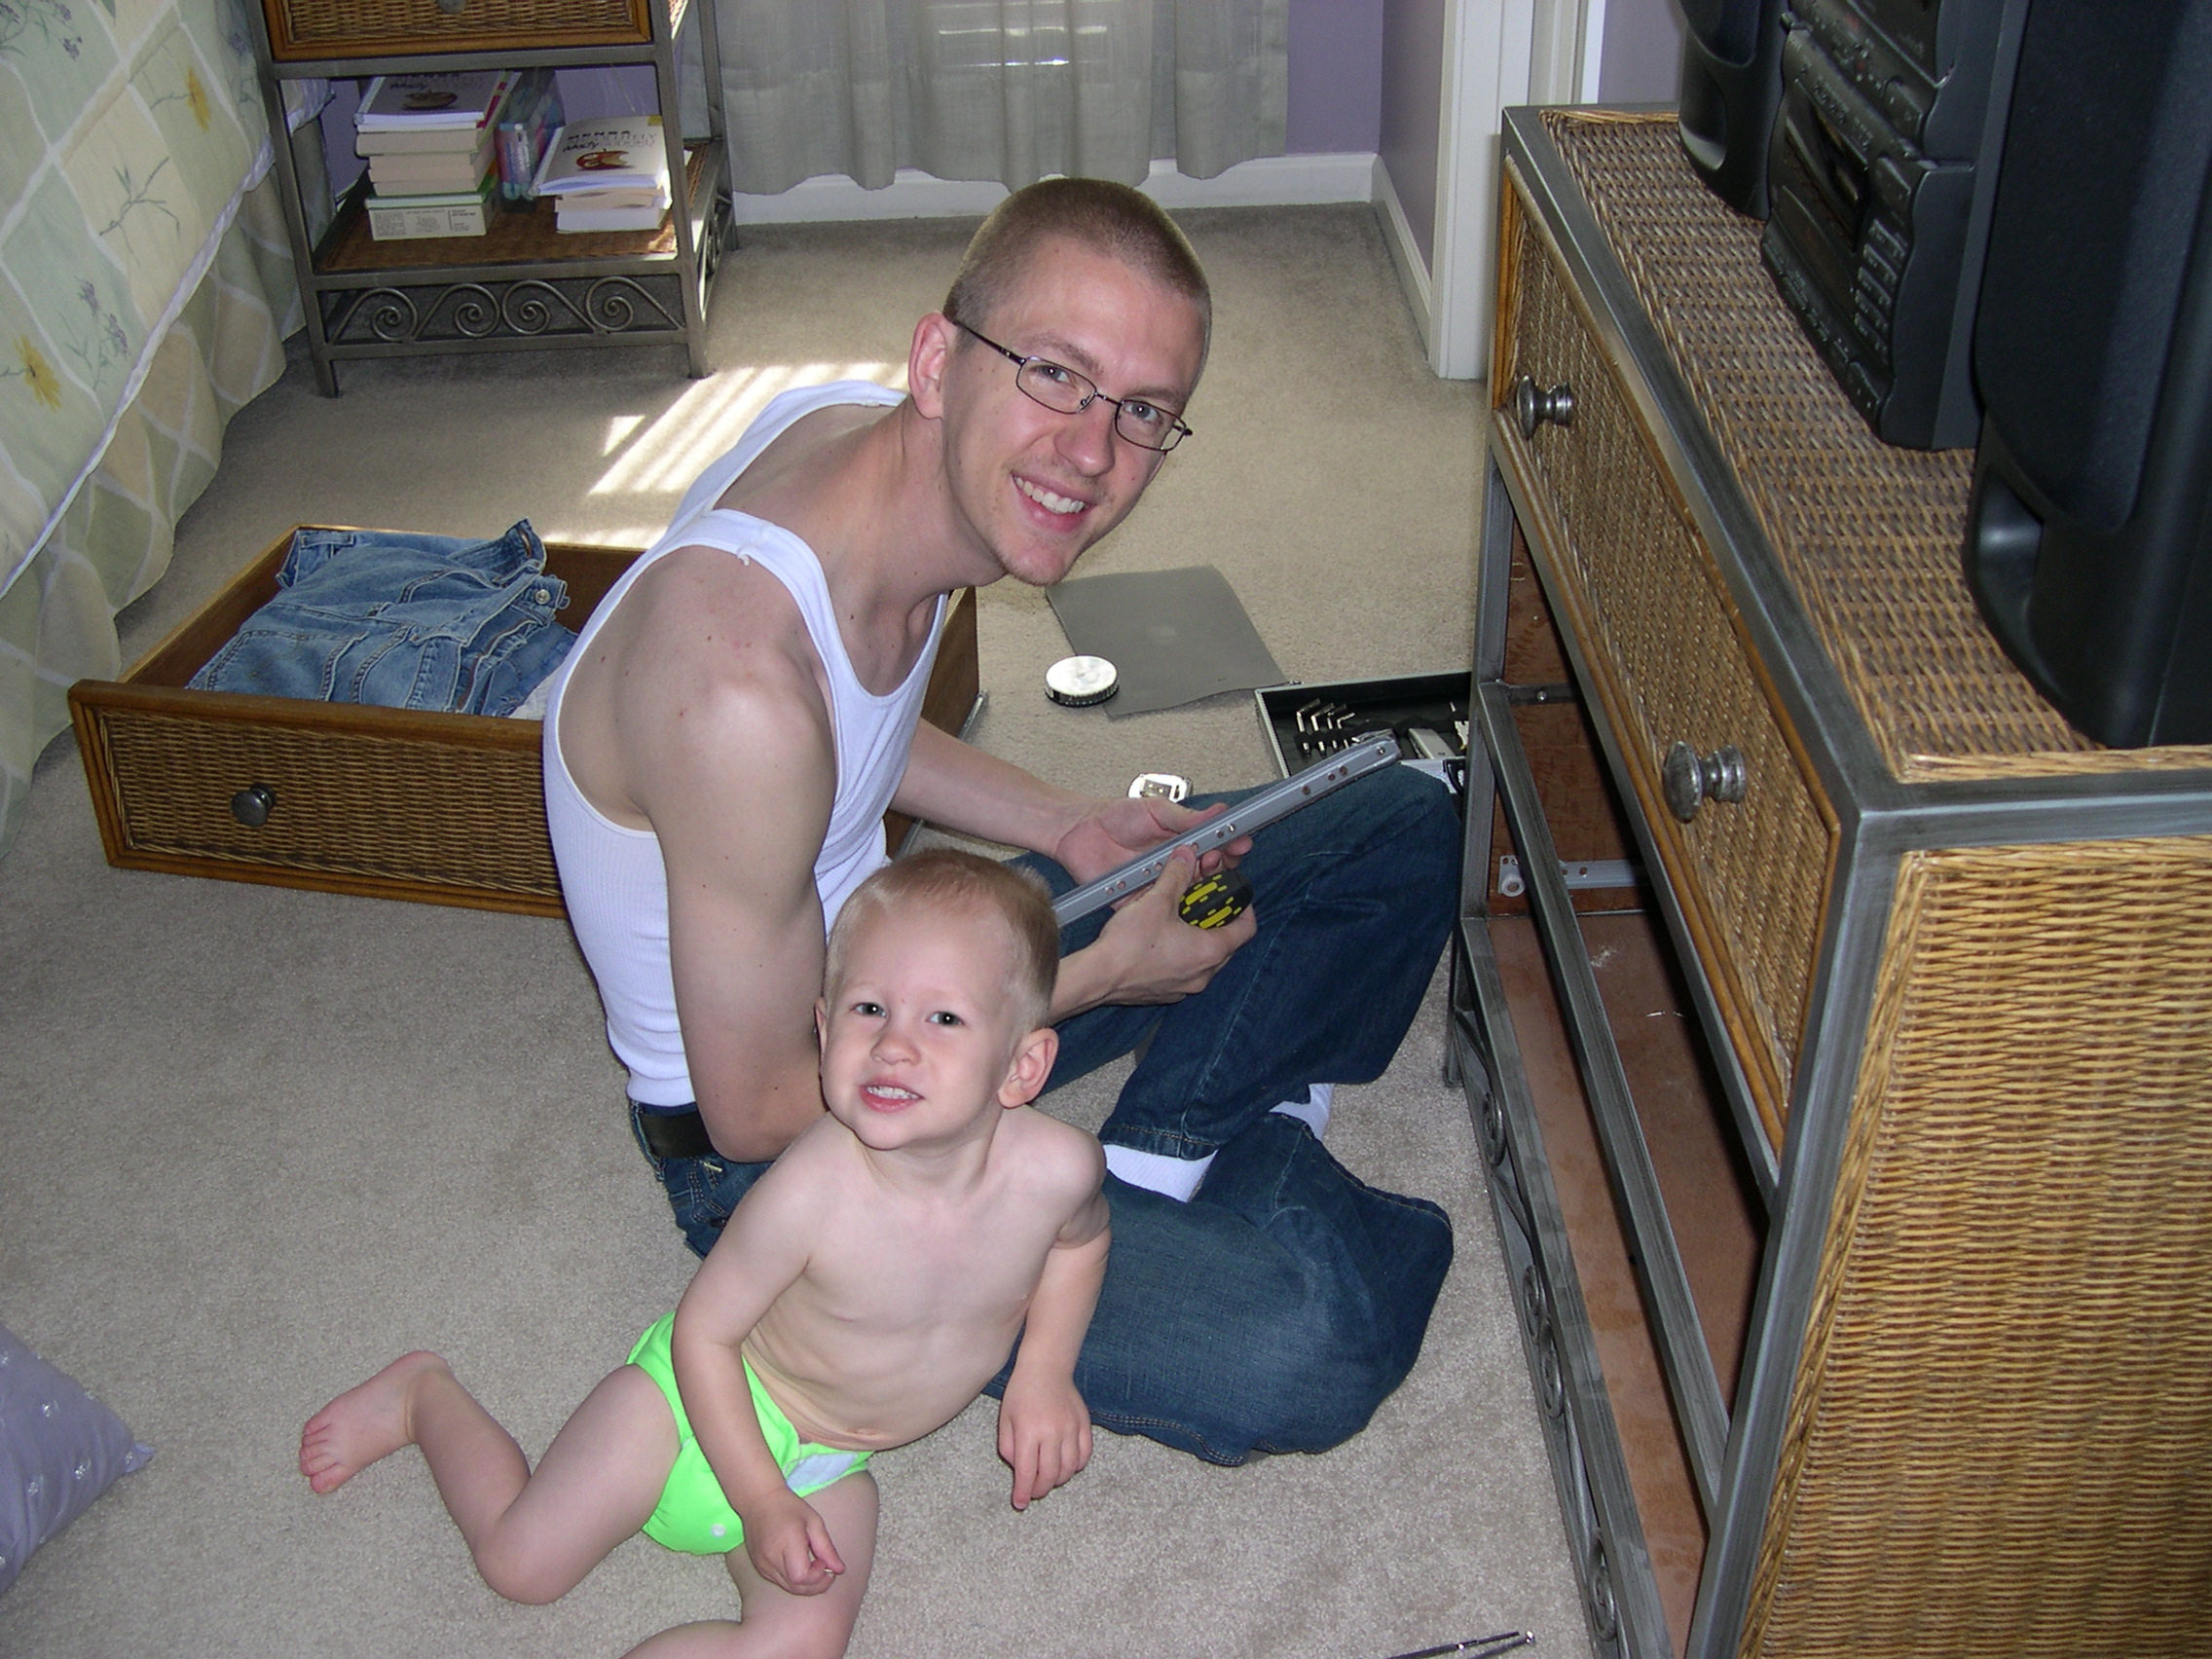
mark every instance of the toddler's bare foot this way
{"type": "Point", "coordinates": [366, 1422]}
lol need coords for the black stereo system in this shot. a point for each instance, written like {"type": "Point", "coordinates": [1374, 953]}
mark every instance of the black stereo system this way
{"type": "Point", "coordinates": [1879, 199]}
{"type": "Point", "coordinates": [1991, 218]}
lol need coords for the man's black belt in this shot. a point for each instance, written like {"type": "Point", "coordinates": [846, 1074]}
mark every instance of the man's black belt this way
{"type": "Point", "coordinates": [674, 1135]}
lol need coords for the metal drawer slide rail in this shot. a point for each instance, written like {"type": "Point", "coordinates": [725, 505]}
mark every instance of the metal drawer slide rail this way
{"type": "Point", "coordinates": [1597, 1504]}
{"type": "Point", "coordinates": [1660, 1276]}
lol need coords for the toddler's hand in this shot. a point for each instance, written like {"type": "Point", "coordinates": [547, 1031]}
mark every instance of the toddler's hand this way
{"type": "Point", "coordinates": [1044, 1435]}
{"type": "Point", "coordinates": [789, 1546]}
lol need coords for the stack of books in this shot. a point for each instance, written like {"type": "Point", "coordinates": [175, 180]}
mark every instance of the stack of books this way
{"type": "Point", "coordinates": [429, 140]}
{"type": "Point", "coordinates": [609, 175]}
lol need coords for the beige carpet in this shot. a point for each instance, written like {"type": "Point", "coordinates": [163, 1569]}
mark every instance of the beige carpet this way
{"type": "Point", "coordinates": [257, 1142]}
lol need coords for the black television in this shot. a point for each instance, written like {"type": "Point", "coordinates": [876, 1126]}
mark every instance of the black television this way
{"type": "Point", "coordinates": [1731, 85]}
{"type": "Point", "coordinates": [2089, 541]}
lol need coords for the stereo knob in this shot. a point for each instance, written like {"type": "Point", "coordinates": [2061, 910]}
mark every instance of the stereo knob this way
{"type": "Point", "coordinates": [1533, 406]}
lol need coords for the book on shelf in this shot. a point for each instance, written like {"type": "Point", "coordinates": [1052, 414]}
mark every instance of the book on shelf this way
{"type": "Point", "coordinates": [655, 198]}
{"type": "Point", "coordinates": [447, 213]}
{"type": "Point", "coordinates": [615, 152]}
{"type": "Point", "coordinates": [431, 141]}
{"type": "Point", "coordinates": [430, 172]}
{"type": "Point", "coordinates": [586, 211]}
{"type": "Point", "coordinates": [463, 102]}
{"type": "Point", "coordinates": [525, 127]}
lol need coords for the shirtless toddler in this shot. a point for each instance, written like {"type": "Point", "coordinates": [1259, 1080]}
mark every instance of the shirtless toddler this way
{"type": "Point", "coordinates": [868, 1286]}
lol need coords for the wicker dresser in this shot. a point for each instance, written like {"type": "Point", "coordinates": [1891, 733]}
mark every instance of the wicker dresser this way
{"type": "Point", "coordinates": [1951, 964]}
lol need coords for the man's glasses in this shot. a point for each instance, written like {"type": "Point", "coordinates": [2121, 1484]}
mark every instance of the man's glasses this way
{"type": "Point", "coordinates": [1064, 391]}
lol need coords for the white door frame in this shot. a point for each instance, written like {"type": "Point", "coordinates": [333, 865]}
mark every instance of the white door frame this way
{"type": "Point", "coordinates": [1496, 54]}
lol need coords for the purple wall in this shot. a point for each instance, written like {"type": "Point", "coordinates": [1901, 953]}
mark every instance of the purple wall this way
{"type": "Point", "coordinates": [1642, 58]}
{"type": "Point", "coordinates": [1335, 77]}
{"type": "Point", "coordinates": [1413, 111]}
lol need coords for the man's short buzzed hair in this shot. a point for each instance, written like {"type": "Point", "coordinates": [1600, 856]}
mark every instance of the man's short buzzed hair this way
{"type": "Point", "coordinates": [943, 877]}
{"type": "Point", "coordinates": [1114, 219]}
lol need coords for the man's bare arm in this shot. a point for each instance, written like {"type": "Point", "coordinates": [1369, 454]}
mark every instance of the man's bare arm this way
{"type": "Point", "coordinates": [1148, 954]}
{"type": "Point", "coordinates": [730, 756]}
{"type": "Point", "coordinates": [956, 785]}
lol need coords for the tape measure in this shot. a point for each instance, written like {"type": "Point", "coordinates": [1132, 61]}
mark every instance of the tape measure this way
{"type": "Point", "coordinates": [1217, 900]}
{"type": "Point", "coordinates": [1079, 682]}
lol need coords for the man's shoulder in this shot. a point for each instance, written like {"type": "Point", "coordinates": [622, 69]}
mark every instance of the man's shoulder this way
{"type": "Point", "coordinates": [697, 588]}
{"type": "Point", "coordinates": [699, 685]}
{"type": "Point", "coordinates": [709, 618]}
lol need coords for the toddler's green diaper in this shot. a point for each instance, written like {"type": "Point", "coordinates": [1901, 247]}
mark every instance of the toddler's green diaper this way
{"type": "Point", "coordinates": [693, 1516]}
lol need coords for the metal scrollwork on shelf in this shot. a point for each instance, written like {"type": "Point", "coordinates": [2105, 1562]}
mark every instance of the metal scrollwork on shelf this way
{"type": "Point", "coordinates": [613, 303]}
{"type": "Point", "coordinates": [391, 314]}
{"type": "Point", "coordinates": [528, 308]}
{"type": "Point", "coordinates": [475, 309]}
{"type": "Point", "coordinates": [550, 308]}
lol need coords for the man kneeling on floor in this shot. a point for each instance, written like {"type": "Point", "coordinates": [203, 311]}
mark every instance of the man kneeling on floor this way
{"type": "Point", "coordinates": [725, 735]}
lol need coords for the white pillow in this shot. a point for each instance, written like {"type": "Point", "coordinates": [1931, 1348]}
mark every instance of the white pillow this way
{"type": "Point", "coordinates": [59, 1449]}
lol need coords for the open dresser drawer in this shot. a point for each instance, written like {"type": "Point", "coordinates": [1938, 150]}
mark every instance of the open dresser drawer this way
{"type": "Point", "coordinates": [393, 803]}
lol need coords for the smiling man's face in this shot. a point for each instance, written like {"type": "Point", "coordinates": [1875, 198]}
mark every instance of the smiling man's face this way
{"type": "Point", "coordinates": [1038, 487]}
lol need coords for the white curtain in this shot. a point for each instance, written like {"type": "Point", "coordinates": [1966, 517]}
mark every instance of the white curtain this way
{"type": "Point", "coordinates": [1005, 89]}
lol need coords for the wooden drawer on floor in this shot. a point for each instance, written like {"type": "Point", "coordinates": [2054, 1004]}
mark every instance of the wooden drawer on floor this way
{"type": "Point", "coordinates": [391, 803]}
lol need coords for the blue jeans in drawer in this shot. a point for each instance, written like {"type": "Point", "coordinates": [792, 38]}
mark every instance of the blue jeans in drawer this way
{"type": "Point", "coordinates": [402, 620]}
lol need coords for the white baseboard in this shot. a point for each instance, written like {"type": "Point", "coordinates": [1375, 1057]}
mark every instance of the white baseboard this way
{"type": "Point", "coordinates": [1270, 182]}
{"type": "Point", "coordinates": [1405, 254]}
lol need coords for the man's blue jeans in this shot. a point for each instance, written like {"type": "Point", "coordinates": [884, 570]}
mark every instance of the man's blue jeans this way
{"type": "Point", "coordinates": [1278, 1308]}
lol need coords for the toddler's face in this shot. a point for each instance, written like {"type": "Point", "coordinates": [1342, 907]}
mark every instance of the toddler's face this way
{"type": "Point", "coordinates": [917, 1042]}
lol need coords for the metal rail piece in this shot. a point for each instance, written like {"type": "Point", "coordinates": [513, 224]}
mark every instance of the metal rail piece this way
{"type": "Point", "coordinates": [1597, 1501]}
{"type": "Point", "coordinates": [1660, 1275]}
{"type": "Point", "coordinates": [1256, 811]}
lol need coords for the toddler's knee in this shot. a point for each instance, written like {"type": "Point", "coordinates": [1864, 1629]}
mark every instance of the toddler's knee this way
{"type": "Point", "coordinates": [519, 1577]}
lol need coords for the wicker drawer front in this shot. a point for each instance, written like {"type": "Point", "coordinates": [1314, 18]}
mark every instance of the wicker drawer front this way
{"type": "Point", "coordinates": [1666, 657]}
{"type": "Point", "coordinates": [301, 29]}
{"type": "Point", "coordinates": [428, 815]}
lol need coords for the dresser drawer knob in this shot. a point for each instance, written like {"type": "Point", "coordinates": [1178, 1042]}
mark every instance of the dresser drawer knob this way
{"type": "Point", "coordinates": [453, 7]}
{"type": "Point", "coordinates": [1533, 406]}
{"type": "Point", "coordinates": [253, 805]}
{"type": "Point", "coordinates": [1690, 779]}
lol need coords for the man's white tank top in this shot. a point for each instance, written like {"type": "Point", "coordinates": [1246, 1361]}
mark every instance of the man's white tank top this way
{"type": "Point", "coordinates": [612, 877]}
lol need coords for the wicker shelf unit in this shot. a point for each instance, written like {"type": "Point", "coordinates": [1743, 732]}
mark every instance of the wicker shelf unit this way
{"type": "Point", "coordinates": [522, 286]}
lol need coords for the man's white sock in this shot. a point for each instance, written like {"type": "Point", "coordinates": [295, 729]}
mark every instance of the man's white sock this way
{"type": "Point", "coordinates": [1313, 1109]}
{"type": "Point", "coordinates": [1176, 1178]}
